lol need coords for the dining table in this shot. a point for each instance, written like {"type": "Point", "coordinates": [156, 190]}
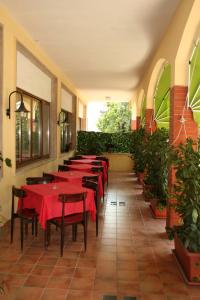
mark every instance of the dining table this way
{"type": "Point", "coordinates": [75, 177]}
{"type": "Point", "coordinates": [93, 157]}
{"type": "Point", "coordinates": [86, 165]}
{"type": "Point", "coordinates": [89, 156]}
{"type": "Point", "coordinates": [89, 161]}
{"type": "Point", "coordinates": [44, 199]}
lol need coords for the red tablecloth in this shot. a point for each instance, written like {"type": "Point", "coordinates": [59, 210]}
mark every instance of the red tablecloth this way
{"type": "Point", "coordinates": [87, 163]}
{"type": "Point", "coordinates": [93, 157]}
{"type": "Point", "coordinates": [75, 177]}
{"type": "Point", "coordinates": [89, 156]}
{"type": "Point", "coordinates": [44, 199]}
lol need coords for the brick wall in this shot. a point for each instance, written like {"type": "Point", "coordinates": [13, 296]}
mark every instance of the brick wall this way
{"type": "Point", "coordinates": [179, 132]}
{"type": "Point", "coordinates": [138, 122]}
{"type": "Point", "coordinates": [150, 124]}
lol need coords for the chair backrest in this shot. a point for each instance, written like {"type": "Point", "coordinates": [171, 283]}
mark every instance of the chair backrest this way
{"type": "Point", "coordinates": [75, 157]}
{"type": "Point", "coordinates": [19, 193]}
{"type": "Point", "coordinates": [37, 180]}
{"type": "Point", "coordinates": [49, 177]}
{"type": "Point", "coordinates": [97, 169]}
{"type": "Point", "coordinates": [103, 158]}
{"type": "Point", "coordinates": [90, 185]}
{"type": "Point", "coordinates": [90, 178]}
{"type": "Point", "coordinates": [97, 163]}
{"type": "Point", "coordinates": [62, 168]}
{"type": "Point", "coordinates": [67, 162]}
{"type": "Point", "coordinates": [71, 198]}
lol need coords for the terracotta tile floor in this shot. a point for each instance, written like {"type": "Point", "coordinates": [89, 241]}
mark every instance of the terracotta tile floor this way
{"type": "Point", "coordinates": [131, 257]}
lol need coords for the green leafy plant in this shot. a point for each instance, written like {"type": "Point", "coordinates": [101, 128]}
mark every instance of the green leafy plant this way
{"type": "Point", "coordinates": [117, 117]}
{"type": "Point", "coordinates": [140, 140]}
{"type": "Point", "coordinates": [90, 142]}
{"type": "Point", "coordinates": [157, 161]}
{"type": "Point", "coordinates": [186, 192]}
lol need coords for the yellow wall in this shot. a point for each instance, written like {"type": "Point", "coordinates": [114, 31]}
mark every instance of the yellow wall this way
{"type": "Point", "coordinates": [13, 33]}
{"type": "Point", "coordinates": [175, 48]}
{"type": "Point", "coordinates": [120, 162]}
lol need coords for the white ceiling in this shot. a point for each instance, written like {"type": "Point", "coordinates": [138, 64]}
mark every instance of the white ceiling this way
{"type": "Point", "coordinates": [103, 46]}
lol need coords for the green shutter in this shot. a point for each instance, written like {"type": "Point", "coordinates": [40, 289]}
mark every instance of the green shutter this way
{"type": "Point", "coordinates": [194, 83]}
{"type": "Point", "coordinates": [143, 111]}
{"type": "Point", "coordinates": [162, 98]}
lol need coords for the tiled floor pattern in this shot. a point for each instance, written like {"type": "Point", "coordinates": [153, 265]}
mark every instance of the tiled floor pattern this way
{"type": "Point", "coordinates": [131, 257]}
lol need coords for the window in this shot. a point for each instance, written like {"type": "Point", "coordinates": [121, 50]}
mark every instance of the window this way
{"type": "Point", "coordinates": [65, 131]}
{"type": "Point", "coordinates": [32, 130]}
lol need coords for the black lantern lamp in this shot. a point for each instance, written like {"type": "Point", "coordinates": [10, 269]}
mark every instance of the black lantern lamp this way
{"type": "Point", "coordinates": [21, 109]}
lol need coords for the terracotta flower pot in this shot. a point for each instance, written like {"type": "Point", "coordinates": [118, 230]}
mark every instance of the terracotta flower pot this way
{"type": "Point", "coordinates": [157, 212]}
{"type": "Point", "coordinates": [190, 262]}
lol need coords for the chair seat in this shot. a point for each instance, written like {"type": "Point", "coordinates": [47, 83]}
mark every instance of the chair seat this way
{"type": "Point", "coordinates": [70, 219]}
{"type": "Point", "coordinates": [28, 213]}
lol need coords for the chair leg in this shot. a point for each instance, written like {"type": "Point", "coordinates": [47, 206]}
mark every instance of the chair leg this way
{"type": "Point", "coordinates": [11, 229]}
{"type": "Point", "coordinates": [103, 191]}
{"type": "Point", "coordinates": [47, 235]}
{"type": "Point", "coordinates": [22, 232]}
{"type": "Point", "coordinates": [85, 235]}
{"type": "Point", "coordinates": [32, 225]}
{"type": "Point", "coordinates": [85, 225]}
{"type": "Point", "coordinates": [36, 225]}
{"type": "Point", "coordinates": [62, 229]}
{"type": "Point", "coordinates": [97, 213]}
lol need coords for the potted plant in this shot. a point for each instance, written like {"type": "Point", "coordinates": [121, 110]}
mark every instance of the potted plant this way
{"type": "Point", "coordinates": [186, 193]}
{"type": "Point", "coordinates": [140, 139]}
{"type": "Point", "coordinates": [156, 179]}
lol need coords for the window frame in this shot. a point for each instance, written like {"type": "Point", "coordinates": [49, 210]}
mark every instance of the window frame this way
{"type": "Point", "coordinates": [41, 156]}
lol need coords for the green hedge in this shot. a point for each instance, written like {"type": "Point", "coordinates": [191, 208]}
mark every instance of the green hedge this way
{"type": "Point", "coordinates": [90, 142]}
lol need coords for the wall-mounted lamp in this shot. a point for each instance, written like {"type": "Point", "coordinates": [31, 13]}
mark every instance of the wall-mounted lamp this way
{"type": "Point", "coordinates": [21, 109]}
{"type": "Point", "coordinates": [62, 119]}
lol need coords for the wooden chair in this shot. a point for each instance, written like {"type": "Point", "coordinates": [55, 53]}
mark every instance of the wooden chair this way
{"type": "Point", "coordinates": [38, 180]}
{"type": "Point", "coordinates": [90, 178]}
{"type": "Point", "coordinates": [103, 158]}
{"type": "Point", "coordinates": [99, 170]}
{"type": "Point", "coordinates": [49, 177]}
{"type": "Point", "coordinates": [62, 168]}
{"type": "Point", "coordinates": [73, 219]}
{"type": "Point", "coordinates": [75, 157]}
{"type": "Point", "coordinates": [67, 162]}
{"type": "Point", "coordinates": [26, 216]}
{"type": "Point", "coordinates": [91, 182]}
{"type": "Point", "coordinates": [96, 163]}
